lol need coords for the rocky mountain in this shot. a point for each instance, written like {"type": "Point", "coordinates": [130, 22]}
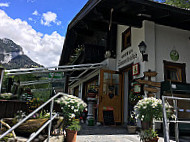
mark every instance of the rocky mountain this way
{"type": "Point", "coordinates": [12, 56]}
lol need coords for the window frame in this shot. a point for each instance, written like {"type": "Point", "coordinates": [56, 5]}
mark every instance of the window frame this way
{"type": "Point", "coordinates": [180, 71]}
{"type": "Point", "coordinates": [126, 34]}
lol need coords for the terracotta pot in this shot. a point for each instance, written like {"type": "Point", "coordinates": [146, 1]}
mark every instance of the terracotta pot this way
{"type": "Point", "coordinates": [146, 125]}
{"type": "Point", "coordinates": [71, 136]}
{"type": "Point", "coordinates": [152, 140]}
{"type": "Point", "coordinates": [131, 129]}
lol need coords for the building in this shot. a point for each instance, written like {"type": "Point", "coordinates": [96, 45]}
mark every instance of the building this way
{"type": "Point", "coordinates": [110, 32]}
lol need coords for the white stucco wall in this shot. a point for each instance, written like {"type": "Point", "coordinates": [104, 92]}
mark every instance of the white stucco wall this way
{"type": "Point", "coordinates": [160, 40]}
{"type": "Point", "coordinates": [137, 35]}
{"type": "Point", "coordinates": [167, 39]}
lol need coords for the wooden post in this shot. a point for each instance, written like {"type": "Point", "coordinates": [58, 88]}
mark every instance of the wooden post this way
{"type": "Point", "coordinates": [66, 86]}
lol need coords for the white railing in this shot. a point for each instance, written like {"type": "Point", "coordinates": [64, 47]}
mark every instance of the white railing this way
{"type": "Point", "coordinates": [49, 122]}
{"type": "Point", "coordinates": [176, 121]}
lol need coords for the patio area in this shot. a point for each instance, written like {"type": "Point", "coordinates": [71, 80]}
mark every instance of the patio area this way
{"type": "Point", "coordinates": [106, 134]}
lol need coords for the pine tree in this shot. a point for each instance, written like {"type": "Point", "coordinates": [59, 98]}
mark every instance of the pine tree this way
{"type": "Point", "coordinates": [177, 3]}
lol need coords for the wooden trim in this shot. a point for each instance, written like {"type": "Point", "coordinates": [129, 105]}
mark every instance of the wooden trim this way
{"type": "Point", "coordinates": [126, 68]}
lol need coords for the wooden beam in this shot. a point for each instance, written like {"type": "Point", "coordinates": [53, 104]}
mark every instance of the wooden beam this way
{"type": "Point", "coordinates": [152, 90]}
{"type": "Point", "coordinates": [151, 83]}
{"type": "Point", "coordinates": [150, 73]}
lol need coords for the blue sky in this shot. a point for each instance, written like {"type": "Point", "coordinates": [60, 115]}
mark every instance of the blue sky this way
{"type": "Point", "coordinates": [39, 26]}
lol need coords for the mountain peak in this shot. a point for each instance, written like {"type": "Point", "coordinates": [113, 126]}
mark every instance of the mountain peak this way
{"type": "Point", "coordinates": [12, 55]}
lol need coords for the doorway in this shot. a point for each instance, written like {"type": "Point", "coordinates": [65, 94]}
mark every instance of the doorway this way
{"type": "Point", "coordinates": [126, 87]}
{"type": "Point", "coordinates": [110, 95]}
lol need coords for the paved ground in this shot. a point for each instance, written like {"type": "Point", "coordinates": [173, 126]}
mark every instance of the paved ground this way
{"type": "Point", "coordinates": [106, 134]}
{"type": "Point", "coordinates": [113, 134]}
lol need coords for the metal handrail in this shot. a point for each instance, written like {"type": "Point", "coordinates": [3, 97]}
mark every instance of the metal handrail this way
{"type": "Point", "coordinates": [32, 113]}
{"type": "Point", "coordinates": [176, 121]}
{"type": "Point", "coordinates": [54, 69]}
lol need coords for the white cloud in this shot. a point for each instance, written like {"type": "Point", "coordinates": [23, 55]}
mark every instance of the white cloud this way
{"type": "Point", "coordinates": [43, 49]}
{"type": "Point", "coordinates": [30, 19]}
{"type": "Point", "coordinates": [48, 18]}
{"type": "Point", "coordinates": [35, 13]}
{"type": "Point", "coordinates": [4, 4]}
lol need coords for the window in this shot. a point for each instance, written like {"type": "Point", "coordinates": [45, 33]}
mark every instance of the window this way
{"type": "Point", "coordinates": [174, 72]}
{"type": "Point", "coordinates": [126, 39]}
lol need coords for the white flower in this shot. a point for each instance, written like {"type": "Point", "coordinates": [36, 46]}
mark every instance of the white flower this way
{"type": "Point", "coordinates": [72, 107]}
{"type": "Point", "coordinates": [72, 115]}
{"type": "Point", "coordinates": [58, 101]}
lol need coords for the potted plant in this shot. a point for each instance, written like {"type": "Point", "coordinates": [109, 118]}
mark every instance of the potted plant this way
{"type": "Point", "coordinates": [148, 136]}
{"type": "Point", "coordinates": [148, 109]}
{"type": "Point", "coordinates": [72, 108]}
{"type": "Point", "coordinates": [131, 125]}
{"type": "Point", "coordinates": [72, 130]}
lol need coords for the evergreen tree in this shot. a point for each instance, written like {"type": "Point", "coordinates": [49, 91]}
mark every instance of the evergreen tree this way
{"type": "Point", "coordinates": [177, 3]}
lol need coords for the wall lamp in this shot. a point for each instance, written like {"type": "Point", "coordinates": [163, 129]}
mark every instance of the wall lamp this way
{"type": "Point", "coordinates": [142, 48]}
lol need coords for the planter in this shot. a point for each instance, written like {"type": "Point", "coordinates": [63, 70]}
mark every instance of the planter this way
{"type": "Point", "coordinates": [152, 140]}
{"type": "Point", "coordinates": [71, 136]}
{"type": "Point", "coordinates": [28, 127]}
{"type": "Point", "coordinates": [131, 129]}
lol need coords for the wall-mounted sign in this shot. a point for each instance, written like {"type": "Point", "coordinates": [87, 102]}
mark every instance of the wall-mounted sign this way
{"type": "Point", "coordinates": [174, 55]}
{"type": "Point", "coordinates": [127, 57]}
{"type": "Point", "coordinates": [137, 88]}
{"type": "Point", "coordinates": [136, 69]}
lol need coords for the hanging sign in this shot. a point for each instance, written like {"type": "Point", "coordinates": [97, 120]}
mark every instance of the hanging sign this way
{"type": "Point", "coordinates": [137, 88]}
{"type": "Point", "coordinates": [136, 69]}
{"type": "Point", "coordinates": [57, 75]}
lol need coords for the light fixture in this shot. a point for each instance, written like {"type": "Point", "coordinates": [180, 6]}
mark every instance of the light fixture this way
{"type": "Point", "coordinates": [142, 48]}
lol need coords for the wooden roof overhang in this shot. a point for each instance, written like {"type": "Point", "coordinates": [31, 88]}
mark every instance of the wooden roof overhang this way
{"type": "Point", "coordinates": [95, 16]}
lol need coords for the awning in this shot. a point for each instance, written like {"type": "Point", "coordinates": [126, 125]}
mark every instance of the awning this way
{"type": "Point", "coordinates": [82, 69]}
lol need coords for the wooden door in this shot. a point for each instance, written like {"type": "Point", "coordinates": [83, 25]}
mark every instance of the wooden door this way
{"type": "Point", "coordinates": [110, 94]}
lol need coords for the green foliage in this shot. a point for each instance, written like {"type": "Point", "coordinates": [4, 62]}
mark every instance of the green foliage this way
{"type": "Point", "coordinates": [44, 114]}
{"type": "Point", "coordinates": [149, 108]}
{"type": "Point", "coordinates": [133, 97]}
{"type": "Point", "coordinates": [146, 135]}
{"type": "Point", "coordinates": [177, 3]}
{"type": "Point", "coordinates": [72, 107]}
{"type": "Point", "coordinates": [6, 96]}
{"type": "Point", "coordinates": [5, 139]}
{"type": "Point", "coordinates": [132, 120]}
{"type": "Point", "coordinates": [74, 126]}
